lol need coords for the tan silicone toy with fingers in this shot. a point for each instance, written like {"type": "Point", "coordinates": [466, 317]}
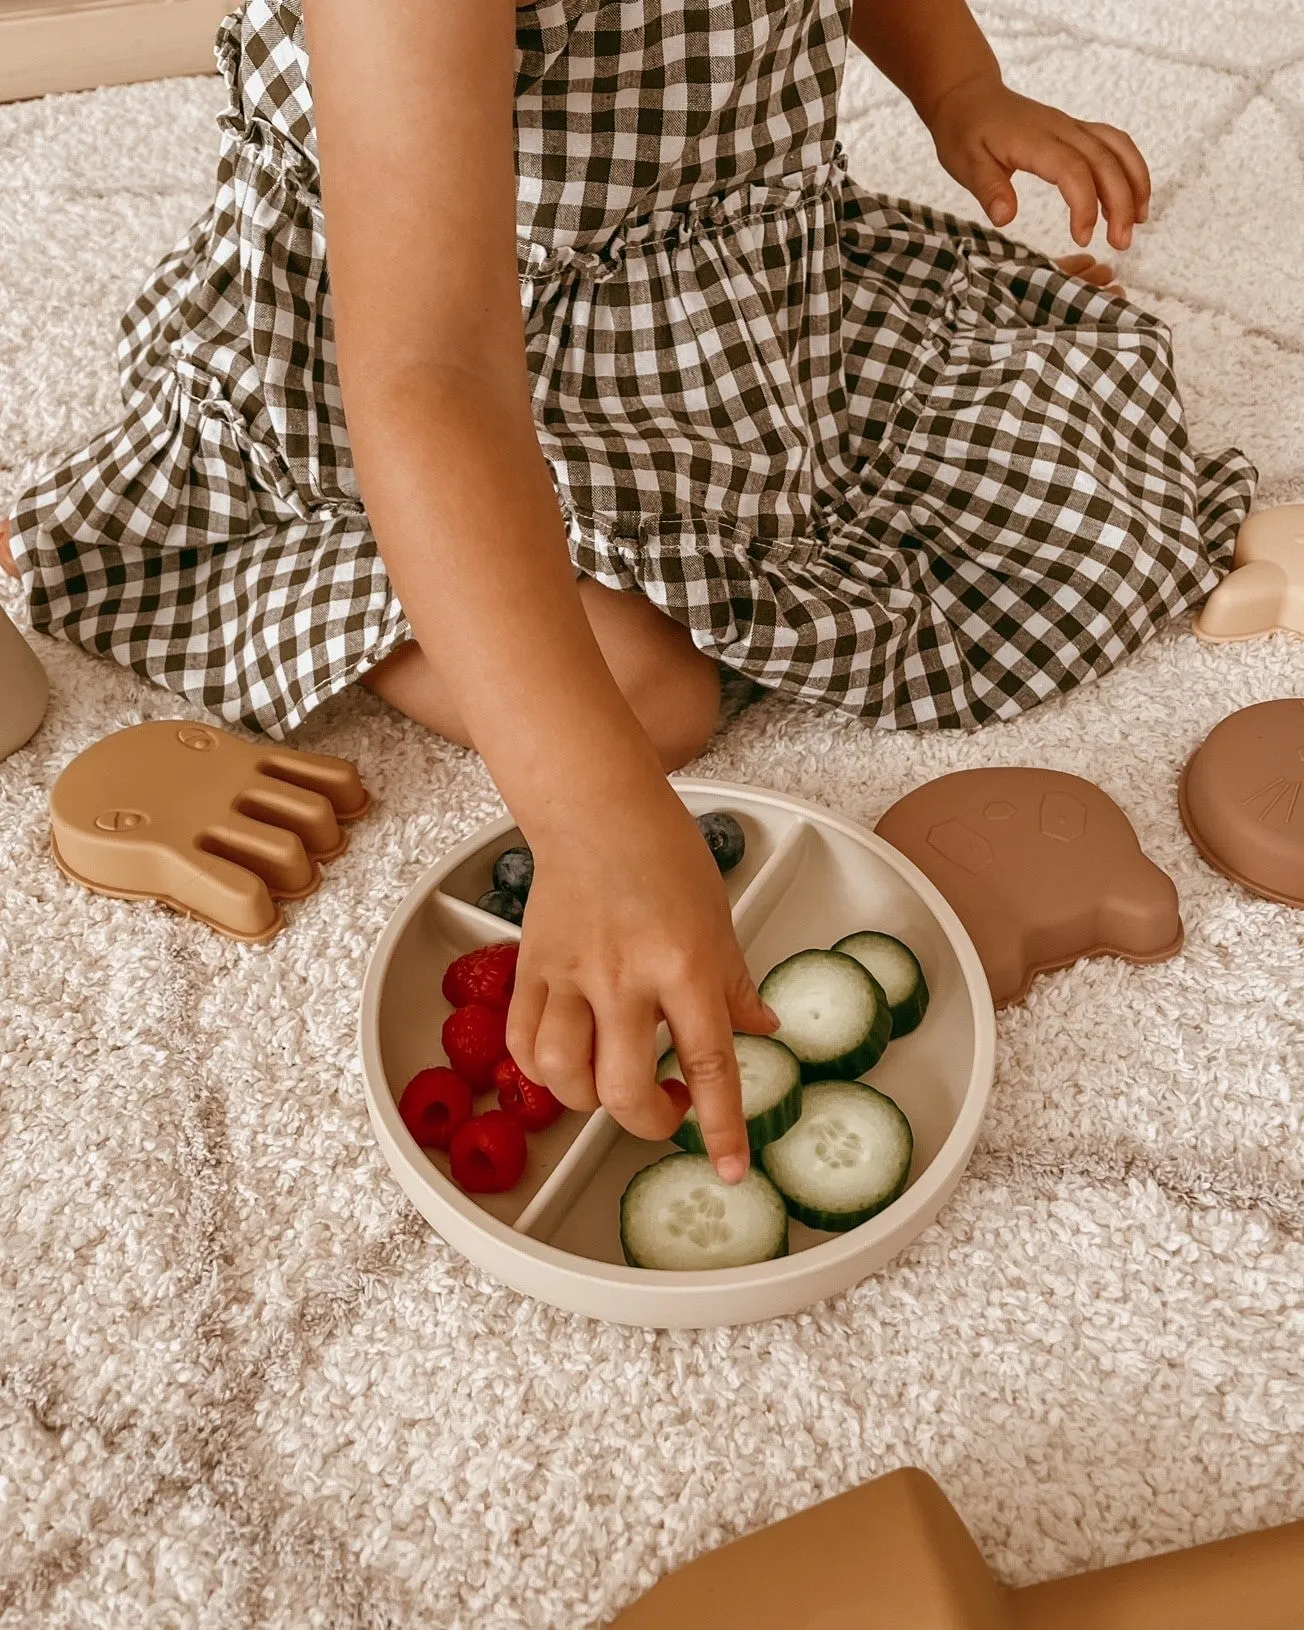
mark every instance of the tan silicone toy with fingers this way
{"type": "Point", "coordinates": [218, 828]}
{"type": "Point", "coordinates": [1264, 593]}
{"type": "Point", "coordinates": [894, 1555]}
{"type": "Point", "coordinates": [24, 690]}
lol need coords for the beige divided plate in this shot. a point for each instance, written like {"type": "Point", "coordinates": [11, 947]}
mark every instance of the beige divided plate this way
{"type": "Point", "coordinates": [807, 878]}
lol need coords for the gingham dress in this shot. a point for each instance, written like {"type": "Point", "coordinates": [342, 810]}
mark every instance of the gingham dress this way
{"type": "Point", "coordinates": [878, 458]}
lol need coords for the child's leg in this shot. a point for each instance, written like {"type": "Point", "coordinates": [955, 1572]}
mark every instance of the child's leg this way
{"type": "Point", "coordinates": [6, 559]}
{"type": "Point", "coordinates": [672, 687]}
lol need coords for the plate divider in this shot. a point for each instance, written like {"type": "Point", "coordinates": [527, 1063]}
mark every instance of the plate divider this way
{"type": "Point", "coordinates": [562, 1186]}
{"type": "Point", "coordinates": [473, 917]}
{"type": "Point", "coordinates": [762, 894]}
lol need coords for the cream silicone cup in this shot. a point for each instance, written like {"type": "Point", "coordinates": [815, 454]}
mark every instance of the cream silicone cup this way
{"type": "Point", "coordinates": [808, 878]}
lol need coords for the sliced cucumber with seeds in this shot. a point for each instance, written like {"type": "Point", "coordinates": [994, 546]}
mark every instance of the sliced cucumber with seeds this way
{"type": "Point", "coordinates": [677, 1214]}
{"type": "Point", "coordinates": [832, 1013]}
{"type": "Point", "coordinates": [771, 1080]}
{"type": "Point", "coordinates": [845, 1160]}
{"type": "Point", "coordinates": [896, 967]}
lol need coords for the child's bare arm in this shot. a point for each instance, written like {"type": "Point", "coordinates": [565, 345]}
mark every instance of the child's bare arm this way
{"type": "Point", "coordinates": [628, 918]}
{"type": "Point", "coordinates": [934, 51]}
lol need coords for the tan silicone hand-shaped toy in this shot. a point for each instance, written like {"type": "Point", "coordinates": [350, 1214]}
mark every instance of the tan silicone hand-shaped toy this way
{"type": "Point", "coordinates": [216, 827]}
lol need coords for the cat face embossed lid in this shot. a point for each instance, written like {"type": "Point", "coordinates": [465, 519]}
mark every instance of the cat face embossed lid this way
{"type": "Point", "coordinates": [212, 825]}
{"type": "Point", "coordinates": [1242, 799]}
{"type": "Point", "coordinates": [1042, 868]}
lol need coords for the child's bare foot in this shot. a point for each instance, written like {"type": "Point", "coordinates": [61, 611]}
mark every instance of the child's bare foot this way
{"type": "Point", "coordinates": [6, 558]}
{"type": "Point", "coordinates": [1099, 272]}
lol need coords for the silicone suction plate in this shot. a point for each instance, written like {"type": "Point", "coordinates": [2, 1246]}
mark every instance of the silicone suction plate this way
{"type": "Point", "coordinates": [1242, 800]}
{"type": "Point", "coordinates": [1042, 868]}
{"type": "Point", "coordinates": [807, 879]}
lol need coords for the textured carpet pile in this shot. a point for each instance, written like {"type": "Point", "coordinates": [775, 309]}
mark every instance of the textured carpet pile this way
{"type": "Point", "coordinates": [241, 1383]}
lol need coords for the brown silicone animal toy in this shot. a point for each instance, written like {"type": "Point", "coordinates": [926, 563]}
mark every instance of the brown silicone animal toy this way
{"type": "Point", "coordinates": [1264, 593]}
{"type": "Point", "coordinates": [894, 1555]}
{"type": "Point", "coordinates": [218, 828]}
{"type": "Point", "coordinates": [1242, 799]}
{"type": "Point", "coordinates": [1042, 869]}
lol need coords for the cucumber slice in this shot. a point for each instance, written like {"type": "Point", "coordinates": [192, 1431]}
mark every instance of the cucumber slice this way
{"type": "Point", "coordinates": [847, 1157]}
{"type": "Point", "coordinates": [771, 1079]}
{"type": "Point", "coordinates": [677, 1214]}
{"type": "Point", "coordinates": [896, 967]}
{"type": "Point", "coordinates": [832, 1013]}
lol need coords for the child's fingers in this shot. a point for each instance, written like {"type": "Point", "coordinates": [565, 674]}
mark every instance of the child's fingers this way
{"type": "Point", "coordinates": [1112, 188]}
{"type": "Point", "coordinates": [746, 1009]}
{"type": "Point", "coordinates": [1064, 167]}
{"type": "Point", "coordinates": [625, 1068]}
{"type": "Point", "coordinates": [703, 1039]}
{"type": "Point", "coordinates": [529, 998]}
{"type": "Point", "coordinates": [1129, 155]}
{"type": "Point", "coordinates": [563, 1050]}
{"type": "Point", "coordinates": [989, 182]}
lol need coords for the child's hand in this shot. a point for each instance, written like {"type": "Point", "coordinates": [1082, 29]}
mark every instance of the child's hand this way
{"type": "Point", "coordinates": [628, 921]}
{"type": "Point", "coordinates": [984, 132]}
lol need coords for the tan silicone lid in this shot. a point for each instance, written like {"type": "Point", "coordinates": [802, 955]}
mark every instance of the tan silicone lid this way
{"type": "Point", "coordinates": [24, 689]}
{"type": "Point", "coordinates": [1042, 868]}
{"type": "Point", "coordinates": [1242, 803]}
{"type": "Point", "coordinates": [216, 827]}
{"type": "Point", "coordinates": [894, 1555]}
{"type": "Point", "coordinates": [1264, 593]}
{"type": "Point", "coordinates": [808, 878]}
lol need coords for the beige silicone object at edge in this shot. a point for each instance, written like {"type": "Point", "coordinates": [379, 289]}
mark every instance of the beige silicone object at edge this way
{"type": "Point", "coordinates": [24, 689]}
{"type": "Point", "coordinates": [218, 828]}
{"type": "Point", "coordinates": [1264, 591]}
{"type": "Point", "coordinates": [894, 1555]}
{"type": "Point", "coordinates": [807, 878]}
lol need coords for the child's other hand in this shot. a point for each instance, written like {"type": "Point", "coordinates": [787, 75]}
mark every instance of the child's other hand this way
{"type": "Point", "coordinates": [628, 921]}
{"type": "Point", "coordinates": [984, 132]}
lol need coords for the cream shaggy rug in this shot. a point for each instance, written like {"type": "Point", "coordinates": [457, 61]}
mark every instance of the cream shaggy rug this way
{"type": "Point", "coordinates": [243, 1384]}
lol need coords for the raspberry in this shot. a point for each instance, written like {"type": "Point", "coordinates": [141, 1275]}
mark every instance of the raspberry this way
{"type": "Point", "coordinates": [487, 975]}
{"type": "Point", "coordinates": [529, 1101]}
{"type": "Point", "coordinates": [434, 1104]}
{"type": "Point", "coordinates": [475, 1038]}
{"type": "Point", "coordinates": [488, 1153]}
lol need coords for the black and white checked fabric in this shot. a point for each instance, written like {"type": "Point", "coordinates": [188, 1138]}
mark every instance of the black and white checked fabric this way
{"type": "Point", "coordinates": [876, 457]}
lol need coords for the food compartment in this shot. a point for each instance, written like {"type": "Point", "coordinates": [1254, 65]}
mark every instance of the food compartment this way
{"type": "Point", "coordinates": [764, 828]}
{"type": "Point", "coordinates": [411, 1016]}
{"type": "Point", "coordinates": [839, 887]}
{"type": "Point", "coordinates": [586, 1220]}
{"type": "Point", "coordinates": [474, 876]}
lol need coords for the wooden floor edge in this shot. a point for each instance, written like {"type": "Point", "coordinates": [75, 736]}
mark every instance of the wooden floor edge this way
{"type": "Point", "coordinates": [79, 50]}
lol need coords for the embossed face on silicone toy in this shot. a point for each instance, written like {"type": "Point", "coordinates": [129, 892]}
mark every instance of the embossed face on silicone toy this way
{"type": "Point", "coordinates": [1042, 868]}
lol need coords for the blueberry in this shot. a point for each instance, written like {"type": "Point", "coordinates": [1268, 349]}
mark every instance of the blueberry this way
{"type": "Point", "coordinates": [501, 904]}
{"type": "Point", "coordinates": [514, 872]}
{"type": "Point", "coordinates": [725, 838]}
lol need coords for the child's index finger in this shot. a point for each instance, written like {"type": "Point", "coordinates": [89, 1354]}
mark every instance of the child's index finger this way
{"type": "Point", "coordinates": [709, 1067]}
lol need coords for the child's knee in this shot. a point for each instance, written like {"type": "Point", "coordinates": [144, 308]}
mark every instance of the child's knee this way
{"type": "Point", "coordinates": [678, 704]}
